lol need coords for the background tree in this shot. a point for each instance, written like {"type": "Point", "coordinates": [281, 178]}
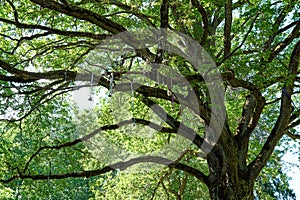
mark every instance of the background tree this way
{"type": "Point", "coordinates": [255, 45]}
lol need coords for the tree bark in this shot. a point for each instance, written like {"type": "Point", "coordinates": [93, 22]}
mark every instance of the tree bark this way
{"type": "Point", "coordinates": [224, 189]}
{"type": "Point", "coordinates": [228, 179]}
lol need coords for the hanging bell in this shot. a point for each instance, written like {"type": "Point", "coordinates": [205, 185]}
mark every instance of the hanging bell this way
{"type": "Point", "coordinates": [90, 99]}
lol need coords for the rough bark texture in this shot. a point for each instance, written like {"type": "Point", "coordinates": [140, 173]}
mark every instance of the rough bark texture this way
{"type": "Point", "coordinates": [239, 190]}
{"type": "Point", "coordinates": [227, 180]}
{"type": "Point", "coordinates": [228, 177]}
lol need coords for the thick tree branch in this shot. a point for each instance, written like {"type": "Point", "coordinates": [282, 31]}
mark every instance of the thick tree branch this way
{"type": "Point", "coordinates": [204, 15]}
{"type": "Point", "coordinates": [235, 82]}
{"type": "Point", "coordinates": [180, 128]}
{"type": "Point", "coordinates": [22, 76]}
{"type": "Point", "coordinates": [56, 31]}
{"type": "Point", "coordinates": [164, 14]}
{"type": "Point", "coordinates": [227, 27]}
{"type": "Point", "coordinates": [33, 76]}
{"type": "Point", "coordinates": [84, 14]}
{"type": "Point", "coordinates": [283, 119]}
{"type": "Point", "coordinates": [252, 110]}
{"type": "Point", "coordinates": [242, 136]}
{"type": "Point", "coordinates": [117, 166]}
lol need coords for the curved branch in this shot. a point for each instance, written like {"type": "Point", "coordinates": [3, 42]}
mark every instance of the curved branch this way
{"type": "Point", "coordinates": [184, 131]}
{"type": "Point", "coordinates": [97, 131]}
{"type": "Point", "coordinates": [56, 31]}
{"type": "Point", "coordinates": [204, 15]}
{"type": "Point", "coordinates": [282, 122]}
{"type": "Point", "coordinates": [293, 136]}
{"type": "Point", "coordinates": [25, 76]}
{"type": "Point", "coordinates": [294, 124]}
{"type": "Point", "coordinates": [117, 166]}
{"type": "Point", "coordinates": [252, 110]}
{"type": "Point", "coordinates": [81, 13]}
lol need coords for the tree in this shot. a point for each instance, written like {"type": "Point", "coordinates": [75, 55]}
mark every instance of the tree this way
{"type": "Point", "coordinates": [44, 46]}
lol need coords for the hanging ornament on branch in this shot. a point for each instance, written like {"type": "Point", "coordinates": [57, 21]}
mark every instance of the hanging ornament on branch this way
{"type": "Point", "coordinates": [132, 101]}
{"type": "Point", "coordinates": [91, 87]}
{"type": "Point", "coordinates": [171, 93]}
{"type": "Point", "coordinates": [111, 84]}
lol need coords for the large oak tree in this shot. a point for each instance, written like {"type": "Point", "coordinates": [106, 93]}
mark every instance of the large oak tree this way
{"type": "Point", "coordinates": [44, 43]}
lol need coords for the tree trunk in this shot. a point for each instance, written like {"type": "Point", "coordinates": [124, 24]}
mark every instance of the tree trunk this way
{"type": "Point", "coordinates": [224, 190]}
{"type": "Point", "coordinates": [228, 178]}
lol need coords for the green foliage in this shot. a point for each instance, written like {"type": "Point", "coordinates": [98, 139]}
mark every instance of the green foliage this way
{"type": "Point", "coordinates": [43, 132]}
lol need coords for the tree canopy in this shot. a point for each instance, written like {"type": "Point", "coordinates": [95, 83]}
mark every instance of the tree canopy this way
{"type": "Point", "coordinates": [148, 99]}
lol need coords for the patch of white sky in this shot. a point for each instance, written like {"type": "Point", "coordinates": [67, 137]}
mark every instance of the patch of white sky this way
{"type": "Point", "coordinates": [291, 161]}
{"type": "Point", "coordinates": [292, 166]}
